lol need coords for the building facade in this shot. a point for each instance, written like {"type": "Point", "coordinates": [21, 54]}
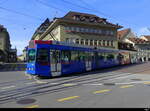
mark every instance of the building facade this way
{"type": "Point", "coordinates": [128, 40]}
{"type": "Point", "coordinates": [82, 28]}
{"type": "Point", "coordinates": [6, 53]}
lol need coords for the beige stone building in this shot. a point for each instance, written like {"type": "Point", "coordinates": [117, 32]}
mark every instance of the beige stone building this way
{"type": "Point", "coordinates": [6, 53]}
{"type": "Point", "coordinates": [80, 28]}
{"type": "Point", "coordinates": [128, 40]}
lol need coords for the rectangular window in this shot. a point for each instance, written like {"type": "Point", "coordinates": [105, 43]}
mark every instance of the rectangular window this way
{"type": "Point", "coordinates": [82, 41]}
{"type": "Point", "coordinates": [82, 56]}
{"type": "Point", "coordinates": [108, 43]}
{"type": "Point", "coordinates": [100, 56]}
{"type": "Point", "coordinates": [100, 31]}
{"type": "Point", "coordinates": [82, 29]}
{"type": "Point", "coordinates": [77, 29]}
{"type": "Point", "coordinates": [91, 30]}
{"type": "Point", "coordinates": [110, 32]}
{"type": "Point", "coordinates": [67, 39]}
{"type": "Point", "coordinates": [66, 56]}
{"type": "Point", "coordinates": [91, 42]}
{"type": "Point", "coordinates": [86, 30]}
{"type": "Point", "coordinates": [112, 43]}
{"type": "Point", "coordinates": [103, 42]}
{"type": "Point", "coordinates": [42, 55]}
{"type": "Point", "coordinates": [99, 42]}
{"type": "Point", "coordinates": [88, 56]}
{"type": "Point", "coordinates": [67, 28]}
{"type": "Point", "coordinates": [86, 42]}
{"type": "Point", "coordinates": [74, 55]}
{"type": "Point", "coordinates": [95, 42]}
{"type": "Point", "coordinates": [77, 41]}
{"type": "Point", "coordinates": [72, 28]}
{"type": "Point", "coordinates": [103, 32]}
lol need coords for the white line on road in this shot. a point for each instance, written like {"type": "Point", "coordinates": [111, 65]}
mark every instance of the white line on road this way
{"type": "Point", "coordinates": [31, 83]}
{"type": "Point", "coordinates": [54, 83]}
{"type": "Point", "coordinates": [8, 87]}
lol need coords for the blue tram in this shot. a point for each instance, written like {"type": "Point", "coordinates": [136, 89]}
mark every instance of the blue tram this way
{"type": "Point", "coordinates": [51, 58]}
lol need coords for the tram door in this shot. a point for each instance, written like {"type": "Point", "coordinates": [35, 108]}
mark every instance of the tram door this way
{"type": "Point", "coordinates": [88, 61]}
{"type": "Point", "coordinates": [55, 62]}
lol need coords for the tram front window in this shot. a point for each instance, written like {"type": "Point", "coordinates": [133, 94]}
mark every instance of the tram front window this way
{"type": "Point", "coordinates": [31, 55]}
{"type": "Point", "coordinates": [42, 55]}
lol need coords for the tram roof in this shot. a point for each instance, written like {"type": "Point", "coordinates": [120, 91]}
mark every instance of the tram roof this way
{"type": "Point", "coordinates": [70, 44]}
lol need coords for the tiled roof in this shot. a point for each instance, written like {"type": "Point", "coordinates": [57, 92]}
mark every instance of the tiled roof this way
{"type": "Point", "coordinates": [84, 17]}
{"type": "Point", "coordinates": [147, 37]}
{"type": "Point", "coordinates": [123, 33]}
{"type": "Point", "coordinates": [138, 40]}
{"type": "Point", "coordinates": [42, 28]}
{"type": "Point", "coordinates": [70, 14]}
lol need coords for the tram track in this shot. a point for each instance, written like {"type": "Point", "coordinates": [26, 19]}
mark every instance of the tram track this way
{"type": "Point", "coordinates": [38, 89]}
{"type": "Point", "coordinates": [66, 77]}
{"type": "Point", "coordinates": [41, 90]}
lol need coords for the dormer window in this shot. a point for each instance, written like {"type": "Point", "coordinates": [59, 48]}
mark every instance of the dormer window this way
{"type": "Point", "coordinates": [82, 18]}
{"type": "Point", "coordinates": [76, 17]}
{"type": "Point", "coordinates": [100, 21]}
{"type": "Point", "coordinates": [92, 19]}
{"type": "Point", "coordinates": [87, 18]}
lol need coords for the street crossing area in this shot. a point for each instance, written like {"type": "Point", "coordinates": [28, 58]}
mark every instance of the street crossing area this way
{"type": "Point", "coordinates": [13, 67]}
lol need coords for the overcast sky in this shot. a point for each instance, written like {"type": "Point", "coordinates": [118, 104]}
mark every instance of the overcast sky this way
{"type": "Point", "coordinates": [22, 17]}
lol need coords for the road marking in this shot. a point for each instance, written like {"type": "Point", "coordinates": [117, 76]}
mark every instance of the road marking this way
{"type": "Point", "coordinates": [98, 84]}
{"type": "Point", "coordinates": [38, 81]}
{"type": "Point", "coordinates": [69, 84]}
{"type": "Point", "coordinates": [102, 91]}
{"type": "Point", "coordinates": [148, 82]}
{"type": "Point", "coordinates": [122, 77]}
{"type": "Point", "coordinates": [8, 87]}
{"type": "Point", "coordinates": [54, 83]}
{"type": "Point", "coordinates": [29, 76]}
{"type": "Point", "coordinates": [31, 83]}
{"type": "Point", "coordinates": [68, 98]}
{"type": "Point", "coordinates": [34, 106]}
{"type": "Point", "coordinates": [126, 86]}
{"type": "Point", "coordinates": [41, 82]}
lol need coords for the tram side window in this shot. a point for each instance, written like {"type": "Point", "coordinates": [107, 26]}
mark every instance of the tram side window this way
{"type": "Point", "coordinates": [101, 57]}
{"type": "Point", "coordinates": [74, 55]}
{"type": "Point", "coordinates": [31, 55]}
{"type": "Point", "coordinates": [92, 56]}
{"type": "Point", "coordinates": [42, 55]}
{"type": "Point", "coordinates": [82, 56]}
{"type": "Point", "coordinates": [66, 56]}
{"type": "Point", "coordinates": [87, 56]}
{"type": "Point", "coordinates": [110, 57]}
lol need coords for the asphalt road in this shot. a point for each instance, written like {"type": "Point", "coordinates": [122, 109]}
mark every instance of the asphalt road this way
{"type": "Point", "coordinates": [118, 87]}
